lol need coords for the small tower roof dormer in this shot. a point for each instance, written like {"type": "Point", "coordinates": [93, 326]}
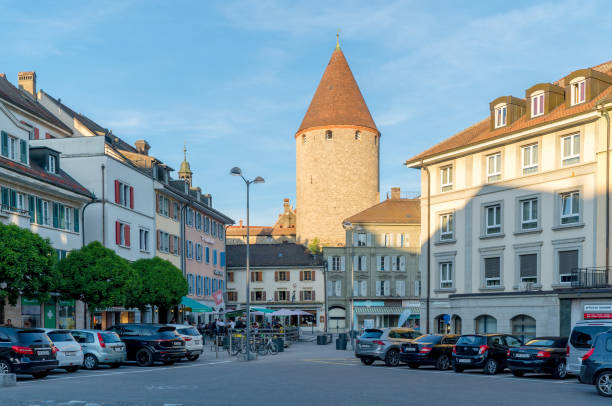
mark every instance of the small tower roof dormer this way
{"type": "Point", "coordinates": [185, 170]}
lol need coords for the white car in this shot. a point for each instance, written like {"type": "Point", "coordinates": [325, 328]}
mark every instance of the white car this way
{"type": "Point", "coordinates": [194, 342]}
{"type": "Point", "coordinates": [581, 340]}
{"type": "Point", "coordinates": [69, 354]}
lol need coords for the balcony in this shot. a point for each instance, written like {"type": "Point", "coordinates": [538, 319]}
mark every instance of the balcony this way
{"type": "Point", "coordinates": [591, 278]}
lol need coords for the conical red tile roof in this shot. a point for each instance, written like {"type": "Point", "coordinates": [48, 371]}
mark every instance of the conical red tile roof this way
{"type": "Point", "coordinates": [338, 100]}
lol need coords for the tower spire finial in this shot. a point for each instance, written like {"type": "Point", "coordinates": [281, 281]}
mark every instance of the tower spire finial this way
{"type": "Point", "coordinates": [185, 149]}
{"type": "Point", "coordinates": [338, 39]}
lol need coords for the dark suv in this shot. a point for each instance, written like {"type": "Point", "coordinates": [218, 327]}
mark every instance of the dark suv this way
{"type": "Point", "coordinates": [148, 343]}
{"type": "Point", "coordinates": [486, 351]}
{"type": "Point", "coordinates": [596, 368]}
{"type": "Point", "coordinates": [429, 349]}
{"type": "Point", "coordinates": [26, 351]}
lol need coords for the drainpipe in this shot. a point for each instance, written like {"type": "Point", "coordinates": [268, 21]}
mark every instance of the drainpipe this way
{"type": "Point", "coordinates": [428, 297]}
{"type": "Point", "coordinates": [604, 113]}
{"type": "Point", "coordinates": [103, 207]}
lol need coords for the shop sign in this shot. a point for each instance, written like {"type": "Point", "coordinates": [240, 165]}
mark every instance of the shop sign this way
{"type": "Point", "coordinates": [29, 302]}
{"type": "Point", "coordinates": [66, 303]}
{"type": "Point", "coordinates": [208, 240]}
{"type": "Point", "coordinates": [369, 303]}
{"type": "Point", "coordinates": [598, 308]}
{"type": "Point", "coordinates": [597, 316]}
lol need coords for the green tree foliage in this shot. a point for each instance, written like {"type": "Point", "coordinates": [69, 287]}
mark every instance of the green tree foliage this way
{"type": "Point", "coordinates": [27, 264]}
{"type": "Point", "coordinates": [97, 276]}
{"type": "Point", "coordinates": [315, 246]}
{"type": "Point", "coordinates": [163, 284]}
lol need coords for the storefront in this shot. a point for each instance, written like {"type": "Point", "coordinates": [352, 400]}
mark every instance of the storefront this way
{"type": "Point", "coordinates": [30, 313]}
{"type": "Point", "coordinates": [378, 314]}
{"type": "Point", "coordinates": [67, 314]}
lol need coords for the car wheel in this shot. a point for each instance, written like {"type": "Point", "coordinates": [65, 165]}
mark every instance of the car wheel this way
{"type": "Point", "coordinates": [367, 360]}
{"type": "Point", "coordinates": [169, 362]}
{"type": "Point", "coordinates": [115, 365]}
{"type": "Point", "coordinates": [603, 383]}
{"type": "Point", "coordinates": [144, 358]}
{"type": "Point", "coordinates": [491, 367]}
{"type": "Point", "coordinates": [90, 362]}
{"type": "Point", "coordinates": [457, 368]}
{"type": "Point", "coordinates": [72, 369]}
{"type": "Point", "coordinates": [40, 375]}
{"type": "Point", "coordinates": [413, 365]}
{"type": "Point", "coordinates": [560, 371]}
{"type": "Point", "coordinates": [5, 367]}
{"type": "Point", "coordinates": [392, 358]}
{"type": "Point", "coordinates": [193, 357]}
{"type": "Point", "coordinates": [518, 373]}
{"type": "Point", "coordinates": [442, 363]}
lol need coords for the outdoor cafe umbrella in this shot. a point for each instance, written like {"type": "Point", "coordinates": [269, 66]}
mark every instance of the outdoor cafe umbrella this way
{"type": "Point", "coordinates": [283, 312]}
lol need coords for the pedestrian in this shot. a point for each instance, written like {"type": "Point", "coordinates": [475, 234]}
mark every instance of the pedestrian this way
{"type": "Point", "coordinates": [173, 321]}
{"type": "Point", "coordinates": [9, 323]}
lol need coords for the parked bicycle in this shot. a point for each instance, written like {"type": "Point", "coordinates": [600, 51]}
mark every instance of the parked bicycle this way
{"type": "Point", "coordinates": [266, 345]}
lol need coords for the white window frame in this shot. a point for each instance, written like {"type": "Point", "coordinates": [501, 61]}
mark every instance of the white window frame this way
{"type": "Point", "coordinates": [572, 156]}
{"type": "Point", "coordinates": [566, 219]}
{"type": "Point", "coordinates": [362, 239]}
{"type": "Point", "coordinates": [494, 166]}
{"type": "Point", "coordinates": [498, 278]}
{"type": "Point", "coordinates": [537, 277]}
{"type": "Point", "coordinates": [533, 153]}
{"type": "Point", "coordinates": [446, 178]}
{"type": "Point", "coordinates": [336, 263]}
{"type": "Point", "coordinates": [144, 239]}
{"type": "Point", "coordinates": [578, 91]}
{"type": "Point", "coordinates": [51, 164]}
{"type": "Point", "coordinates": [501, 115]}
{"type": "Point", "coordinates": [494, 228]}
{"type": "Point", "coordinates": [447, 233]}
{"type": "Point", "coordinates": [445, 269]}
{"type": "Point", "coordinates": [533, 203]}
{"type": "Point", "coordinates": [537, 104]}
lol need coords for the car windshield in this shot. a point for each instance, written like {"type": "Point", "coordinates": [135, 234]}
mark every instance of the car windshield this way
{"type": "Point", "coordinates": [582, 336]}
{"type": "Point", "coordinates": [547, 342]}
{"type": "Point", "coordinates": [189, 331]}
{"type": "Point", "coordinates": [428, 339]}
{"type": "Point", "coordinates": [472, 340]}
{"type": "Point", "coordinates": [32, 337]}
{"type": "Point", "coordinates": [110, 337]}
{"type": "Point", "coordinates": [372, 333]}
{"type": "Point", "coordinates": [60, 336]}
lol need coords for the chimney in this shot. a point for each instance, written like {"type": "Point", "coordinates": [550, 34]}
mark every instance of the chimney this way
{"type": "Point", "coordinates": [27, 82]}
{"type": "Point", "coordinates": [286, 205]}
{"type": "Point", "coordinates": [240, 223]}
{"type": "Point", "coordinates": [142, 147]}
{"type": "Point", "coordinates": [395, 193]}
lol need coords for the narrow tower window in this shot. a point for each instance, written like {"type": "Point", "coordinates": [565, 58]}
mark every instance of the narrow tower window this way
{"type": "Point", "coordinates": [328, 135]}
{"type": "Point", "coordinates": [303, 138]}
{"type": "Point", "coordinates": [357, 135]}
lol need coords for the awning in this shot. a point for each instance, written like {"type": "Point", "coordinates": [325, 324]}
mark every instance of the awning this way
{"type": "Point", "coordinates": [381, 310]}
{"type": "Point", "coordinates": [194, 306]}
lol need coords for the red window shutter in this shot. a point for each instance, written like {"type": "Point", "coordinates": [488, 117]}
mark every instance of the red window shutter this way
{"type": "Point", "coordinates": [36, 133]}
{"type": "Point", "coordinates": [301, 275]}
{"type": "Point", "coordinates": [313, 295]}
{"type": "Point", "coordinates": [118, 232]}
{"type": "Point", "coordinates": [312, 275]}
{"type": "Point", "coordinates": [171, 240]}
{"type": "Point", "coordinates": [158, 239]}
{"type": "Point", "coordinates": [48, 136]}
{"type": "Point", "coordinates": [276, 276]}
{"type": "Point", "coordinates": [252, 296]}
{"type": "Point", "coordinates": [117, 194]}
{"type": "Point", "coordinates": [127, 235]}
{"type": "Point", "coordinates": [178, 249]}
{"type": "Point", "coordinates": [131, 197]}
{"type": "Point", "coordinates": [288, 274]}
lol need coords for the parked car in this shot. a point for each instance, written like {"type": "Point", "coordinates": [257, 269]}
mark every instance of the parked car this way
{"type": "Point", "coordinates": [486, 351]}
{"type": "Point", "coordinates": [69, 353]}
{"type": "Point", "coordinates": [580, 341]}
{"type": "Point", "coordinates": [194, 342]}
{"type": "Point", "coordinates": [100, 348]}
{"type": "Point", "coordinates": [383, 344]}
{"type": "Point", "coordinates": [596, 366]}
{"type": "Point", "coordinates": [542, 354]}
{"type": "Point", "coordinates": [26, 351]}
{"type": "Point", "coordinates": [429, 349]}
{"type": "Point", "coordinates": [148, 343]}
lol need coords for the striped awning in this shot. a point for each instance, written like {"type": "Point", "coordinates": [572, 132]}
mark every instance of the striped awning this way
{"type": "Point", "coordinates": [377, 310]}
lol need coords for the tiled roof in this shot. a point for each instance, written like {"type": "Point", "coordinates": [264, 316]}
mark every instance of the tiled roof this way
{"type": "Point", "coordinates": [338, 100]}
{"type": "Point", "coordinates": [400, 211]}
{"type": "Point", "coordinates": [19, 98]}
{"type": "Point", "coordinates": [287, 254]}
{"type": "Point", "coordinates": [240, 231]}
{"type": "Point", "coordinates": [481, 131]}
{"type": "Point", "coordinates": [61, 179]}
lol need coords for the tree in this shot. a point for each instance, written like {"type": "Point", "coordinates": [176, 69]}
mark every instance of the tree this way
{"type": "Point", "coordinates": [315, 246]}
{"type": "Point", "coordinates": [163, 284]}
{"type": "Point", "coordinates": [27, 265]}
{"type": "Point", "coordinates": [97, 276]}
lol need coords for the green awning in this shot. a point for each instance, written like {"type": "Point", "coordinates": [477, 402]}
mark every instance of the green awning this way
{"type": "Point", "coordinates": [262, 309]}
{"type": "Point", "coordinates": [375, 310]}
{"type": "Point", "coordinates": [195, 306]}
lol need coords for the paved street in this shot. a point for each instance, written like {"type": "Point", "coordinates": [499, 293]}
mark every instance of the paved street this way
{"type": "Point", "coordinates": [306, 374]}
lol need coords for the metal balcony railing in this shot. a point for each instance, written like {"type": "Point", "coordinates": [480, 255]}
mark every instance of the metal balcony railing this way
{"type": "Point", "coordinates": [591, 277]}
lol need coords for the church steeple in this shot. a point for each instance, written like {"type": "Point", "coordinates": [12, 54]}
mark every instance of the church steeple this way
{"type": "Point", "coordinates": [185, 171]}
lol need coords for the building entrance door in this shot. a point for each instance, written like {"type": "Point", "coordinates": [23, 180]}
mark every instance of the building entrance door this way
{"type": "Point", "coordinates": [50, 315]}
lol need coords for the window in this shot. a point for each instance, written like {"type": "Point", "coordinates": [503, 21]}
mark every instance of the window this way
{"type": "Point", "coordinates": [122, 234]}
{"type": "Point", "coordinates": [363, 288]}
{"type": "Point", "coordinates": [361, 239]}
{"type": "Point", "coordinates": [486, 324]}
{"type": "Point", "coordinates": [189, 216]}
{"type": "Point", "coordinates": [383, 263]}
{"type": "Point", "coordinates": [198, 221]}
{"type": "Point", "coordinates": [283, 276]}
{"type": "Point", "coordinates": [207, 255]}
{"type": "Point", "coordinates": [198, 252]}
{"type": "Point", "coordinates": [124, 194]}
{"type": "Point", "coordinates": [207, 225]}
{"type": "Point", "coordinates": [446, 275]}
{"type": "Point", "coordinates": [214, 257]}
{"type": "Point", "coordinates": [537, 105]}
{"type": "Point", "coordinates": [308, 275]}
{"type": "Point", "coordinates": [446, 179]}
{"type": "Point", "coordinates": [256, 276]}
{"type": "Point", "coordinates": [328, 135]}
{"type": "Point", "coordinates": [500, 116]}
{"type": "Point", "coordinates": [232, 296]}
{"type": "Point", "coordinates": [398, 263]}
{"type": "Point", "coordinates": [400, 288]}
{"type": "Point", "coordinates": [570, 207]}
{"type": "Point", "coordinates": [334, 288]}
{"type": "Point", "coordinates": [494, 167]}
{"type": "Point", "coordinates": [281, 296]}
{"type": "Point", "coordinates": [578, 92]}
{"type": "Point", "coordinates": [303, 138]}
{"type": "Point", "coordinates": [523, 327]}
{"type": "Point", "coordinates": [570, 149]}
{"type": "Point", "coordinates": [528, 268]}
{"type": "Point", "coordinates": [163, 240]}
{"type": "Point", "coordinates": [213, 228]}
{"type": "Point", "coordinates": [23, 156]}
{"type": "Point", "coordinates": [336, 263]}
{"type": "Point", "coordinates": [383, 288]}
{"type": "Point", "coordinates": [492, 268]}
{"type": "Point", "coordinates": [51, 168]}
{"type": "Point", "coordinates": [493, 218]}
{"type": "Point", "coordinates": [529, 156]}
{"type": "Point", "coordinates": [360, 263]}
{"type": "Point", "coordinates": [447, 227]}
{"type": "Point", "coordinates": [357, 135]}
{"type": "Point", "coordinates": [258, 296]}
{"type": "Point", "coordinates": [307, 295]}
{"type": "Point", "coordinates": [144, 240]}
{"type": "Point", "coordinates": [529, 214]}
{"type": "Point", "coordinates": [388, 240]}
{"type": "Point", "coordinates": [176, 210]}
{"type": "Point", "coordinates": [568, 263]}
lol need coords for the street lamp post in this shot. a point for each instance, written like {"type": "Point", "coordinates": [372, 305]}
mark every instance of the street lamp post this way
{"type": "Point", "coordinates": [235, 171]}
{"type": "Point", "coordinates": [349, 227]}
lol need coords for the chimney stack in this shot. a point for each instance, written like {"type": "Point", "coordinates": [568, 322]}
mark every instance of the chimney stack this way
{"type": "Point", "coordinates": [286, 205]}
{"type": "Point", "coordinates": [395, 193]}
{"type": "Point", "coordinates": [240, 223]}
{"type": "Point", "coordinates": [27, 82]}
{"type": "Point", "coordinates": [142, 147]}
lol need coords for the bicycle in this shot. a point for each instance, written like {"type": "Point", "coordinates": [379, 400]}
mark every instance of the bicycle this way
{"type": "Point", "coordinates": [238, 345]}
{"type": "Point", "coordinates": [265, 346]}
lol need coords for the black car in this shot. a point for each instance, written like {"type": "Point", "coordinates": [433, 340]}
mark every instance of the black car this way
{"type": "Point", "coordinates": [596, 368]}
{"type": "Point", "coordinates": [429, 349]}
{"type": "Point", "coordinates": [542, 354]}
{"type": "Point", "coordinates": [148, 343]}
{"type": "Point", "coordinates": [486, 351]}
{"type": "Point", "coordinates": [26, 351]}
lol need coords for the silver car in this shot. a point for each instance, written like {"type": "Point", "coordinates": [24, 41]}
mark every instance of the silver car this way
{"type": "Point", "coordinates": [580, 341]}
{"type": "Point", "coordinates": [69, 353]}
{"type": "Point", "coordinates": [100, 347]}
{"type": "Point", "coordinates": [194, 342]}
{"type": "Point", "coordinates": [383, 344]}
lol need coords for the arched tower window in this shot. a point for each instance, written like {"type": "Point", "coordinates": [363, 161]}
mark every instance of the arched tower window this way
{"type": "Point", "coordinates": [357, 135]}
{"type": "Point", "coordinates": [328, 135]}
{"type": "Point", "coordinates": [303, 138]}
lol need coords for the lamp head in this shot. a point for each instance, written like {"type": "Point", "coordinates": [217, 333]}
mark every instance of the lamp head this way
{"type": "Point", "coordinates": [258, 179]}
{"type": "Point", "coordinates": [235, 171]}
{"type": "Point", "coordinates": [347, 225]}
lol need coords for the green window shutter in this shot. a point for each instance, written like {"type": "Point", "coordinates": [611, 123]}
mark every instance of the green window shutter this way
{"type": "Point", "coordinates": [55, 215]}
{"type": "Point", "coordinates": [31, 208]}
{"type": "Point", "coordinates": [39, 211]}
{"type": "Point", "coordinates": [5, 196]}
{"type": "Point", "coordinates": [4, 143]}
{"type": "Point", "coordinates": [76, 220]}
{"type": "Point", "coordinates": [62, 219]}
{"type": "Point", "coordinates": [24, 151]}
{"type": "Point", "coordinates": [13, 198]}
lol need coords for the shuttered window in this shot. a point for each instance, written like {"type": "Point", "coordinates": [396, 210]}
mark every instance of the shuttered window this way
{"type": "Point", "coordinates": [492, 271]}
{"type": "Point", "coordinates": [528, 268]}
{"type": "Point", "coordinates": [568, 263]}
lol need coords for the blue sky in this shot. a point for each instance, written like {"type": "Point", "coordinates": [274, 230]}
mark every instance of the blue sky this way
{"type": "Point", "coordinates": [234, 79]}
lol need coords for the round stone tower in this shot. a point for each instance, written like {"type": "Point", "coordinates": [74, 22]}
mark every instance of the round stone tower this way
{"type": "Point", "coordinates": [337, 157]}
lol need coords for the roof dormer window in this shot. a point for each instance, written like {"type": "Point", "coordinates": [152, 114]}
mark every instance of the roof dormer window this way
{"type": "Point", "coordinates": [501, 112]}
{"type": "Point", "coordinates": [51, 164]}
{"type": "Point", "coordinates": [328, 135]}
{"type": "Point", "coordinates": [578, 88]}
{"type": "Point", "coordinates": [537, 104]}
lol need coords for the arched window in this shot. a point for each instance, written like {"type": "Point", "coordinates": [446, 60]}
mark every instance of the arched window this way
{"type": "Point", "coordinates": [486, 324]}
{"type": "Point", "coordinates": [357, 135]}
{"type": "Point", "coordinates": [303, 138]}
{"type": "Point", "coordinates": [524, 327]}
{"type": "Point", "coordinates": [337, 318]}
{"type": "Point", "coordinates": [440, 325]}
{"type": "Point", "coordinates": [456, 323]}
{"type": "Point", "coordinates": [328, 135]}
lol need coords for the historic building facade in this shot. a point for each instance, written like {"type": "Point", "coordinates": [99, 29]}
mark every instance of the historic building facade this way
{"type": "Point", "coordinates": [283, 231]}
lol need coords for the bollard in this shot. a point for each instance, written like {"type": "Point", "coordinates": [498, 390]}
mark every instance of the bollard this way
{"type": "Point", "coordinates": [230, 344]}
{"type": "Point", "coordinates": [217, 347]}
{"type": "Point", "coordinates": [7, 380]}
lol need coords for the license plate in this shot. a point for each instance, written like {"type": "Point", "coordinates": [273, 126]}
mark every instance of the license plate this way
{"type": "Point", "coordinates": [464, 361]}
{"type": "Point", "coordinates": [118, 349]}
{"type": "Point", "coordinates": [70, 353]}
{"type": "Point", "coordinates": [177, 344]}
{"type": "Point", "coordinates": [411, 349]}
{"type": "Point", "coordinates": [196, 342]}
{"type": "Point", "coordinates": [41, 353]}
{"type": "Point", "coordinates": [522, 355]}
